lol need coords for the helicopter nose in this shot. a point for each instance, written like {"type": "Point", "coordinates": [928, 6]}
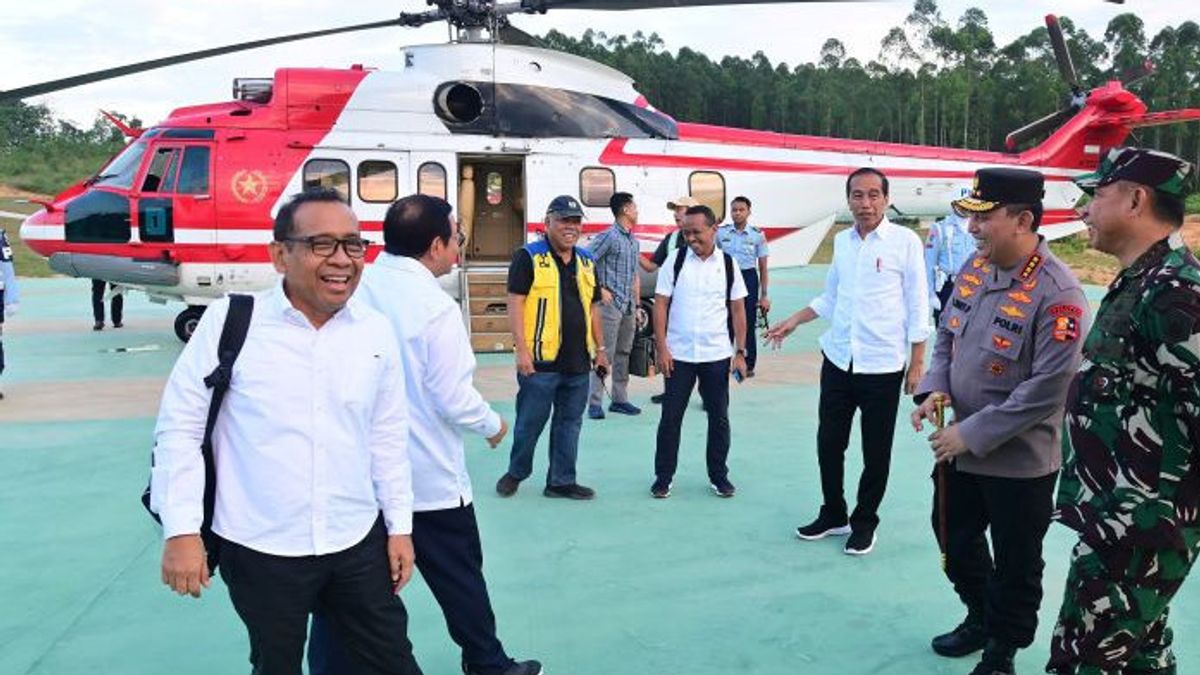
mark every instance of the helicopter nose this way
{"type": "Point", "coordinates": [42, 230]}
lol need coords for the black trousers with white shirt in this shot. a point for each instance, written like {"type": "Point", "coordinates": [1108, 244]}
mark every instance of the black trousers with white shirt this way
{"type": "Point", "coordinates": [878, 397]}
{"type": "Point", "coordinates": [713, 379]}
{"type": "Point", "coordinates": [450, 559]}
{"type": "Point", "coordinates": [274, 596]}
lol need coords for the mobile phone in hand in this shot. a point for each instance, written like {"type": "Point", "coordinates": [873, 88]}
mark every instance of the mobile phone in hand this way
{"type": "Point", "coordinates": [737, 376]}
{"type": "Point", "coordinates": [601, 372]}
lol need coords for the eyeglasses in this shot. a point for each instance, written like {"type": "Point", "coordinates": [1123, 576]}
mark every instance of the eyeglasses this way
{"type": "Point", "coordinates": [324, 246]}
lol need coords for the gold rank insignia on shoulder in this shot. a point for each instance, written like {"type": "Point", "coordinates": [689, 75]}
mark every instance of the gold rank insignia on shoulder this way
{"type": "Point", "coordinates": [972, 279]}
{"type": "Point", "coordinates": [977, 263]}
{"type": "Point", "coordinates": [965, 291]}
{"type": "Point", "coordinates": [1030, 267]}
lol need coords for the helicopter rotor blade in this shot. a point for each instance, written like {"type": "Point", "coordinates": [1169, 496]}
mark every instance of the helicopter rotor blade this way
{"type": "Point", "coordinates": [1037, 128]}
{"type": "Point", "coordinates": [543, 5]}
{"type": "Point", "coordinates": [1062, 55]}
{"type": "Point", "coordinates": [10, 95]}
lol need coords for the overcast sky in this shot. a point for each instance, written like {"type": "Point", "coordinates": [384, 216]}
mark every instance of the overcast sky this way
{"type": "Point", "coordinates": [47, 39]}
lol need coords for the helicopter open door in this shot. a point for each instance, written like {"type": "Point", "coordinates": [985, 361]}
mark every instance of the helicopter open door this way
{"type": "Point", "coordinates": [491, 206]}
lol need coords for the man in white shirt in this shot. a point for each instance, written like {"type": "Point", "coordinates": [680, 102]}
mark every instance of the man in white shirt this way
{"type": "Point", "coordinates": [421, 243]}
{"type": "Point", "coordinates": [877, 301]}
{"type": "Point", "coordinates": [314, 488]}
{"type": "Point", "coordinates": [698, 292]}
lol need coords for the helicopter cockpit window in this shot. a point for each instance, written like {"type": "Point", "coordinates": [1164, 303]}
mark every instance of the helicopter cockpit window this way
{"type": "Point", "coordinates": [332, 173]}
{"type": "Point", "coordinates": [193, 172]}
{"type": "Point", "coordinates": [708, 187]}
{"type": "Point", "coordinates": [377, 181]}
{"type": "Point", "coordinates": [160, 177]}
{"type": "Point", "coordinates": [596, 186]}
{"type": "Point", "coordinates": [431, 180]}
{"type": "Point", "coordinates": [123, 169]}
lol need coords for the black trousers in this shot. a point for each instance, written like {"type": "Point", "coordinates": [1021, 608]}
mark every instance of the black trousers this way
{"type": "Point", "coordinates": [943, 295]}
{"type": "Point", "coordinates": [450, 558]}
{"type": "Point", "coordinates": [1, 331]}
{"type": "Point", "coordinates": [878, 397]}
{"type": "Point", "coordinates": [118, 302]}
{"type": "Point", "coordinates": [1004, 591]}
{"type": "Point", "coordinates": [274, 596]}
{"type": "Point", "coordinates": [713, 377]}
{"type": "Point", "coordinates": [750, 277]}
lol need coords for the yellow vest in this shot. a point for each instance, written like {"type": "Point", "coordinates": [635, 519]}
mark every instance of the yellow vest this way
{"type": "Point", "coordinates": [543, 305]}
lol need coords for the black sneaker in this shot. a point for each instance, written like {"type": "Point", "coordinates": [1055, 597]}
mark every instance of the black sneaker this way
{"type": "Point", "coordinates": [507, 485]}
{"type": "Point", "coordinates": [860, 542]}
{"type": "Point", "coordinates": [517, 668]}
{"type": "Point", "coordinates": [997, 660]}
{"type": "Point", "coordinates": [99, 325]}
{"type": "Point", "coordinates": [822, 527]}
{"type": "Point", "coordinates": [968, 638]}
{"type": "Point", "coordinates": [572, 491]}
{"type": "Point", "coordinates": [723, 488]}
{"type": "Point", "coordinates": [657, 399]}
{"type": "Point", "coordinates": [661, 488]}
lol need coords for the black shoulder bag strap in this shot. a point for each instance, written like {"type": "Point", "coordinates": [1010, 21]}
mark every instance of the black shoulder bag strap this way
{"type": "Point", "coordinates": [233, 336]}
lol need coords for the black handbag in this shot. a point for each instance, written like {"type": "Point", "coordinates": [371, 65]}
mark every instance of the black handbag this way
{"type": "Point", "coordinates": [233, 336]}
{"type": "Point", "coordinates": [641, 356]}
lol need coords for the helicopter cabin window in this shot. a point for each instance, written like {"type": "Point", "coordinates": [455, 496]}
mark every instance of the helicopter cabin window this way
{"type": "Point", "coordinates": [161, 174]}
{"type": "Point", "coordinates": [431, 180]}
{"type": "Point", "coordinates": [708, 187]}
{"type": "Point", "coordinates": [194, 171]}
{"type": "Point", "coordinates": [596, 186]}
{"type": "Point", "coordinates": [330, 173]}
{"type": "Point", "coordinates": [377, 181]}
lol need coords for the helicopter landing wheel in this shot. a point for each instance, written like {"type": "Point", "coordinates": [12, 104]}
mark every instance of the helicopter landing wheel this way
{"type": "Point", "coordinates": [185, 323]}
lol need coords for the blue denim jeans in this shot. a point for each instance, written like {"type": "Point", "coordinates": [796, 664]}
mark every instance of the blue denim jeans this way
{"type": "Point", "coordinates": [538, 393]}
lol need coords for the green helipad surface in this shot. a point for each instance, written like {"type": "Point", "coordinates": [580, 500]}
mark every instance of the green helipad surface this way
{"type": "Point", "coordinates": [624, 584]}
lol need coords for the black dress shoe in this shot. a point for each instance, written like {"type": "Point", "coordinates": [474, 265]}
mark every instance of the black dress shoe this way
{"type": "Point", "coordinates": [572, 491]}
{"type": "Point", "coordinates": [997, 660]}
{"type": "Point", "coordinates": [507, 485]}
{"type": "Point", "coordinates": [968, 638]}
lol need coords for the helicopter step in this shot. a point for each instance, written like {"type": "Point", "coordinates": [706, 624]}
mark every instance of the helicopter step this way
{"type": "Point", "coordinates": [487, 309]}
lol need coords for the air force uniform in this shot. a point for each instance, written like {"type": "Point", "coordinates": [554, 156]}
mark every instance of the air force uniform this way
{"type": "Point", "coordinates": [746, 246]}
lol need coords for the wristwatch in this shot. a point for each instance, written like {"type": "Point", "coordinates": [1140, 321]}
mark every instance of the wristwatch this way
{"type": "Point", "coordinates": [741, 352]}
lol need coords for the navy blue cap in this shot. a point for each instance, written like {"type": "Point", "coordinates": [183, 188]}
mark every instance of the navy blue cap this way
{"type": "Point", "coordinates": [565, 206]}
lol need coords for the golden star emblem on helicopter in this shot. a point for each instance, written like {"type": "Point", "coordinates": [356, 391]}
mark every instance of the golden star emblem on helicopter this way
{"type": "Point", "coordinates": [249, 186]}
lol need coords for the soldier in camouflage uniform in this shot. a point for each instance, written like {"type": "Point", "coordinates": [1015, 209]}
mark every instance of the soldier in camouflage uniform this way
{"type": "Point", "coordinates": [1130, 480]}
{"type": "Point", "coordinates": [1007, 347]}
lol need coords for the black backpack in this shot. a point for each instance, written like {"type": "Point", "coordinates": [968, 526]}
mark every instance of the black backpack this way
{"type": "Point", "coordinates": [233, 336]}
{"type": "Point", "coordinates": [681, 254]}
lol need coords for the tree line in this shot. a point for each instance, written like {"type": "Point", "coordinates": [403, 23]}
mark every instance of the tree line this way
{"type": "Point", "coordinates": [933, 82]}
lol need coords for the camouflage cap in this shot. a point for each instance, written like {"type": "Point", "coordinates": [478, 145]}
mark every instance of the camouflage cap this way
{"type": "Point", "coordinates": [1164, 172]}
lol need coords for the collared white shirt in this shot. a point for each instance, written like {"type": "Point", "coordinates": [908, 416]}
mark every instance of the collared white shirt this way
{"type": "Point", "coordinates": [876, 298]}
{"type": "Point", "coordinates": [312, 439]}
{"type": "Point", "coordinates": [439, 369]}
{"type": "Point", "coordinates": [696, 321]}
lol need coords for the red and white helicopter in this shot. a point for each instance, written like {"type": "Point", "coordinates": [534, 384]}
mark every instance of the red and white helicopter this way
{"type": "Point", "coordinates": [498, 129]}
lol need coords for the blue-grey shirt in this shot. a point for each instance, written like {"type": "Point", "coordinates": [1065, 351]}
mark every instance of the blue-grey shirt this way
{"type": "Point", "coordinates": [616, 252]}
{"type": "Point", "coordinates": [8, 275]}
{"type": "Point", "coordinates": [949, 246]}
{"type": "Point", "coordinates": [746, 246]}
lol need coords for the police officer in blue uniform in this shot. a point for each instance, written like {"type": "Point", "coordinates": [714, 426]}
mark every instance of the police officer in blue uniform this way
{"type": "Point", "coordinates": [948, 247]}
{"type": "Point", "coordinates": [9, 294]}
{"type": "Point", "coordinates": [748, 246]}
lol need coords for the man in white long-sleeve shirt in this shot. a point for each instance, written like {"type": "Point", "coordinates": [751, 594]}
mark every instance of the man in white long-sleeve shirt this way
{"type": "Point", "coordinates": [876, 299]}
{"type": "Point", "coordinates": [314, 487]}
{"type": "Point", "coordinates": [421, 243]}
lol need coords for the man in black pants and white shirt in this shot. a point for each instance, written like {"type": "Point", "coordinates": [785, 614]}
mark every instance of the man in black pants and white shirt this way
{"type": "Point", "coordinates": [876, 299]}
{"type": "Point", "coordinates": [421, 243]}
{"type": "Point", "coordinates": [314, 488]}
{"type": "Point", "coordinates": [691, 315]}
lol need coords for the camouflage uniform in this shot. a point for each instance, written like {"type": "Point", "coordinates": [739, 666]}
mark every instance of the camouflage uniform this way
{"type": "Point", "coordinates": [1130, 481]}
